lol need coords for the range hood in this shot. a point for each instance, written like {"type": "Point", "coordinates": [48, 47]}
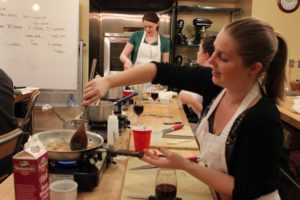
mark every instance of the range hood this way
{"type": "Point", "coordinates": [132, 5]}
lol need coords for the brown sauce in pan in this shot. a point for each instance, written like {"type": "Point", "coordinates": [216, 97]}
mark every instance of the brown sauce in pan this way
{"type": "Point", "coordinates": [63, 146]}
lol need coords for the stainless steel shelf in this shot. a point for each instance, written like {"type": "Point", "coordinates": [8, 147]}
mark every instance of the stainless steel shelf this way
{"type": "Point", "coordinates": [233, 13]}
{"type": "Point", "coordinates": [209, 9]}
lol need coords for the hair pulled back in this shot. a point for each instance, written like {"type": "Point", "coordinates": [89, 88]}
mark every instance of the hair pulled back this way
{"type": "Point", "coordinates": [258, 42]}
{"type": "Point", "coordinates": [151, 17]}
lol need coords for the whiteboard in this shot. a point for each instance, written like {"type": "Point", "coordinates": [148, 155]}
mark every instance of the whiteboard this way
{"type": "Point", "coordinates": [39, 42]}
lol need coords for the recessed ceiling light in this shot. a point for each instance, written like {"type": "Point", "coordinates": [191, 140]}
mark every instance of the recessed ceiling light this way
{"type": "Point", "coordinates": [36, 7]}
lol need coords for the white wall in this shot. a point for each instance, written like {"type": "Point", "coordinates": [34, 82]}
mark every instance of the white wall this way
{"type": "Point", "coordinates": [285, 23]}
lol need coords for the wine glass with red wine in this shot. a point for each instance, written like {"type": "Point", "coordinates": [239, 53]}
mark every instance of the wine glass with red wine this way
{"type": "Point", "coordinates": [138, 109]}
{"type": "Point", "coordinates": [166, 184]}
{"type": "Point", "coordinates": [154, 95]}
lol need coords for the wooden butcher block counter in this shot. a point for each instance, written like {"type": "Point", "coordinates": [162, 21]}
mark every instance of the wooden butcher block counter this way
{"type": "Point", "coordinates": [156, 114]}
{"type": "Point", "coordinates": [118, 181]}
{"type": "Point", "coordinates": [141, 183]}
{"type": "Point", "coordinates": [288, 115]}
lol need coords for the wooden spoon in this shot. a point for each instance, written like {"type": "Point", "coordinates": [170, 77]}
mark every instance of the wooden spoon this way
{"type": "Point", "coordinates": [79, 140]}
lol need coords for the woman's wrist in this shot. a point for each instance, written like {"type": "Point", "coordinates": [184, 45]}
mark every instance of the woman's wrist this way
{"type": "Point", "coordinates": [187, 165]}
{"type": "Point", "coordinates": [128, 62]}
{"type": "Point", "coordinates": [107, 82]}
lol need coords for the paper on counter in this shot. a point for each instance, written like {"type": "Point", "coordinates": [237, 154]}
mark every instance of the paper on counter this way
{"type": "Point", "coordinates": [28, 90]}
{"type": "Point", "coordinates": [296, 105]}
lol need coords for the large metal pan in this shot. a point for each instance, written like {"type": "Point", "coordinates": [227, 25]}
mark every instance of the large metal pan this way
{"type": "Point", "coordinates": [62, 136]}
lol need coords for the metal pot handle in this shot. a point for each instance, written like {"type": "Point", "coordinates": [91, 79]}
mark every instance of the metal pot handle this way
{"type": "Point", "coordinates": [123, 152]}
{"type": "Point", "coordinates": [118, 102]}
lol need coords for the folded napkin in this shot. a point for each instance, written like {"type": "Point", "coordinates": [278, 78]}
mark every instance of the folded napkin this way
{"type": "Point", "coordinates": [28, 89]}
{"type": "Point", "coordinates": [296, 105]}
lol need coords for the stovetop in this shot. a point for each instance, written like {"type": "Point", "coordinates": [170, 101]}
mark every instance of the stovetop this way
{"type": "Point", "coordinates": [86, 171]}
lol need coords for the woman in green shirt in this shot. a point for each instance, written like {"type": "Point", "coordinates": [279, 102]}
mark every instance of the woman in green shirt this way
{"type": "Point", "coordinates": [154, 47]}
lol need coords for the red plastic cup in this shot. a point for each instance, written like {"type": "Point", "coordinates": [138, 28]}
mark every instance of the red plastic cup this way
{"type": "Point", "coordinates": [127, 92]}
{"type": "Point", "coordinates": [142, 137]}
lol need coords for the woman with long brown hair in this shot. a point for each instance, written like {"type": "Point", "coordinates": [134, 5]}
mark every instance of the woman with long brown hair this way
{"type": "Point", "coordinates": [241, 134]}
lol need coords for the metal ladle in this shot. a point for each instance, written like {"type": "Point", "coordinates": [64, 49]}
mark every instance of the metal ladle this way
{"type": "Point", "coordinates": [49, 107]}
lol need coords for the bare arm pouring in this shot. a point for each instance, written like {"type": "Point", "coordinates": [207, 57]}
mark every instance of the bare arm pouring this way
{"type": "Point", "coordinates": [97, 88]}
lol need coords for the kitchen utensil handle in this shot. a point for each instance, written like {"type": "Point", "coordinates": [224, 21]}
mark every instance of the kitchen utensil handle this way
{"type": "Point", "coordinates": [93, 69]}
{"type": "Point", "coordinates": [177, 126]}
{"type": "Point", "coordinates": [193, 159]}
{"type": "Point", "coordinates": [124, 152]}
{"type": "Point", "coordinates": [171, 123]}
{"type": "Point", "coordinates": [126, 98]}
{"type": "Point", "coordinates": [84, 113]}
{"type": "Point", "coordinates": [58, 115]}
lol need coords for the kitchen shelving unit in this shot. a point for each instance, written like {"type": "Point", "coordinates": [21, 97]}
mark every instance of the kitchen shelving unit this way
{"type": "Point", "coordinates": [234, 13]}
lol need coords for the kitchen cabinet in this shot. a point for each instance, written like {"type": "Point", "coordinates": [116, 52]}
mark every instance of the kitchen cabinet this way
{"type": "Point", "coordinates": [289, 186]}
{"type": "Point", "coordinates": [219, 16]}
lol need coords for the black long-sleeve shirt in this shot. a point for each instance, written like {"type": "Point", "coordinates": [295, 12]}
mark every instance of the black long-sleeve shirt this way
{"type": "Point", "coordinates": [7, 114]}
{"type": "Point", "coordinates": [254, 145]}
{"type": "Point", "coordinates": [7, 120]}
{"type": "Point", "coordinates": [188, 78]}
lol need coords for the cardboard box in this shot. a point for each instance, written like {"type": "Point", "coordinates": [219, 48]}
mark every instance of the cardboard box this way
{"type": "Point", "coordinates": [31, 178]}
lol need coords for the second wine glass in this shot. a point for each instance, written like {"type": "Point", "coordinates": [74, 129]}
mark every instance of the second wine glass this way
{"type": "Point", "coordinates": [138, 109]}
{"type": "Point", "coordinates": [154, 95]}
{"type": "Point", "coordinates": [166, 184]}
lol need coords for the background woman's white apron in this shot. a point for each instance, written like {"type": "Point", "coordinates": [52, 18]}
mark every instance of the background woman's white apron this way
{"type": "Point", "coordinates": [148, 52]}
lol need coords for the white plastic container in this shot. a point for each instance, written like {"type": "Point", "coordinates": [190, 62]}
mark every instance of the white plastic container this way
{"type": "Point", "coordinates": [63, 190]}
{"type": "Point", "coordinates": [112, 130]}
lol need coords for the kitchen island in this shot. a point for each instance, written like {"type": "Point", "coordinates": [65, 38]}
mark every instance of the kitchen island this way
{"type": "Point", "coordinates": [118, 180]}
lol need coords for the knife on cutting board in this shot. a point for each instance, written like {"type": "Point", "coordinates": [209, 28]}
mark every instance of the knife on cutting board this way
{"type": "Point", "coordinates": [165, 132]}
{"type": "Point", "coordinates": [173, 128]}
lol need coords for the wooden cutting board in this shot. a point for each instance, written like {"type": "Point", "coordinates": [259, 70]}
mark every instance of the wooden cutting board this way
{"type": "Point", "coordinates": [155, 115]}
{"type": "Point", "coordinates": [141, 183]}
{"type": "Point", "coordinates": [158, 141]}
{"type": "Point", "coordinates": [165, 142]}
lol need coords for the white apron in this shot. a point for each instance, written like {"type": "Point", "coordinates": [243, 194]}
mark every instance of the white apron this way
{"type": "Point", "coordinates": [148, 52]}
{"type": "Point", "coordinates": [212, 147]}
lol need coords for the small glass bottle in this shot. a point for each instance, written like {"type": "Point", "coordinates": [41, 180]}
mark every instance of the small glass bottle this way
{"type": "Point", "coordinates": [70, 101]}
